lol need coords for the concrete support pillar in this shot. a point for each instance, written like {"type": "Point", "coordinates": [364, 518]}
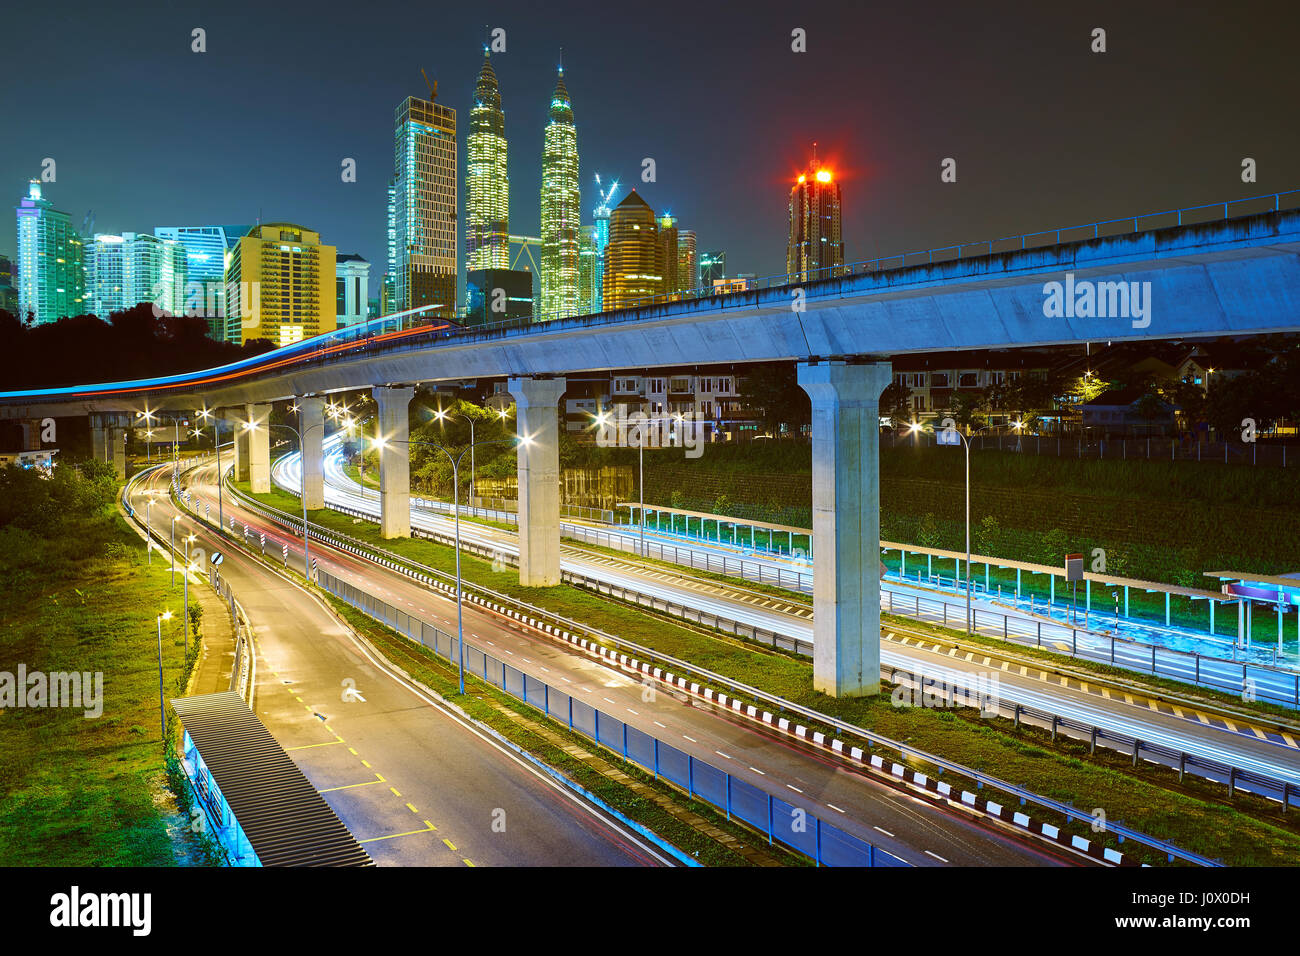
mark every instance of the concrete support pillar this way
{"type": "Point", "coordinates": [846, 523]}
{"type": "Point", "coordinates": [108, 440]}
{"type": "Point", "coordinates": [537, 418]}
{"type": "Point", "coordinates": [240, 434]}
{"type": "Point", "coordinates": [31, 436]}
{"type": "Point", "coordinates": [311, 423]}
{"type": "Point", "coordinates": [259, 448]}
{"type": "Point", "coordinates": [394, 460]}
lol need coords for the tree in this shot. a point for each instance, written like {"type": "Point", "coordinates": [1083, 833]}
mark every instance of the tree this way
{"type": "Point", "coordinates": [772, 392]}
{"type": "Point", "coordinates": [896, 403]}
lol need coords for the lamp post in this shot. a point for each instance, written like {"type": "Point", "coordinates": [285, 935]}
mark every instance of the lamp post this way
{"type": "Point", "coordinates": [174, 517]}
{"type": "Point", "coordinates": [162, 709]}
{"type": "Point", "coordinates": [442, 417]}
{"type": "Point", "coordinates": [185, 614]}
{"type": "Point", "coordinates": [302, 470]}
{"type": "Point", "coordinates": [455, 461]}
{"type": "Point", "coordinates": [945, 438]}
{"type": "Point", "coordinates": [148, 527]}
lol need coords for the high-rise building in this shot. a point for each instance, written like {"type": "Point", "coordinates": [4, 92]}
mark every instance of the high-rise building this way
{"type": "Point", "coordinates": [207, 250]}
{"type": "Point", "coordinates": [8, 290]}
{"type": "Point", "coordinates": [487, 187]}
{"type": "Point", "coordinates": [280, 284]}
{"type": "Point", "coordinates": [496, 295]}
{"type": "Point", "coordinates": [604, 196]}
{"type": "Point", "coordinates": [560, 209]}
{"type": "Point", "coordinates": [589, 271]}
{"type": "Point", "coordinates": [634, 257]}
{"type": "Point", "coordinates": [713, 268]}
{"type": "Point", "coordinates": [668, 251]}
{"type": "Point", "coordinates": [816, 247]}
{"type": "Point", "coordinates": [51, 275]}
{"type": "Point", "coordinates": [422, 210]}
{"type": "Point", "coordinates": [687, 280]}
{"type": "Point", "coordinates": [352, 289]}
{"type": "Point", "coordinates": [106, 257]}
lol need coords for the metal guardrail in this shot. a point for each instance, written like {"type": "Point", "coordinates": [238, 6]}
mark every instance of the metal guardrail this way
{"type": "Point", "coordinates": [408, 566]}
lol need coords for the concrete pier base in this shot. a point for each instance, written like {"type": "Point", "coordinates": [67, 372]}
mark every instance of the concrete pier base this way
{"type": "Point", "coordinates": [394, 460]}
{"type": "Point", "coordinates": [846, 523]}
{"type": "Point", "coordinates": [108, 440]}
{"type": "Point", "coordinates": [311, 426]}
{"type": "Point", "coordinates": [537, 423]}
{"type": "Point", "coordinates": [259, 449]}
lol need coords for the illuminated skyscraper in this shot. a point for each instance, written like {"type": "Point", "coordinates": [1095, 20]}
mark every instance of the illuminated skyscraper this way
{"type": "Point", "coordinates": [713, 268]}
{"type": "Point", "coordinates": [816, 248]}
{"type": "Point", "coordinates": [280, 284]}
{"type": "Point", "coordinates": [668, 252]}
{"type": "Point", "coordinates": [50, 275]}
{"type": "Point", "coordinates": [634, 258]}
{"type": "Point", "coordinates": [560, 209]}
{"type": "Point", "coordinates": [686, 264]}
{"type": "Point", "coordinates": [422, 214]}
{"type": "Point", "coordinates": [487, 187]}
{"type": "Point", "coordinates": [206, 250]}
{"type": "Point", "coordinates": [589, 272]}
{"type": "Point", "coordinates": [600, 240]}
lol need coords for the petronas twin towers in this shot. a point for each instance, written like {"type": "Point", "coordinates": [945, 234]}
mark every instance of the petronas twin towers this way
{"type": "Point", "coordinates": [487, 204]}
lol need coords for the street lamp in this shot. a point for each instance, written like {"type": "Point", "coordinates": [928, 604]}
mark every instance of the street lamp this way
{"type": "Point", "coordinates": [148, 527]}
{"type": "Point", "coordinates": [302, 470]}
{"type": "Point", "coordinates": [185, 615]}
{"type": "Point", "coordinates": [162, 709]}
{"type": "Point", "coordinates": [174, 517]}
{"type": "Point", "coordinates": [379, 444]}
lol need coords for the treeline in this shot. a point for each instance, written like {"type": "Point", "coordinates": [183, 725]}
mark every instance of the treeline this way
{"type": "Point", "coordinates": [130, 344]}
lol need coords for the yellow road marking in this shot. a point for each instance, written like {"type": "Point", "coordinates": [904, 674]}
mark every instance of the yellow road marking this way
{"type": "Point", "coordinates": [429, 825]}
{"type": "Point", "coordinates": [393, 836]}
{"type": "Point", "coordinates": [1178, 711]}
{"type": "Point", "coordinates": [1231, 726]}
{"type": "Point", "coordinates": [1083, 686]}
{"type": "Point", "coordinates": [328, 743]}
{"type": "Point", "coordinates": [1105, 693]}
{"type": "Point", "coordinates": [395, 793]}
{"type": "Point", "coordinates": [1202, 718]}
{"type": "Point", "coordinates": [365, 763]}
{"type": "Point", "coordinates": [1128, 698]}
{"type": "Point", "coordinates": [1065, 682]}
{"type": "Point", "coordinates": [467, 863]}
{"type": "Point", "coordinates": [1289, 739]}
{"type": "Point", "coordinates": [450, 845]}
{"type": "Point", "coordinates": [352, 786]}
{"type": "Point", "coordinates": [1258, 733]}
{"type": "Point", "coordinates": [297, 698]}
{"type": "Point", "coordinates": [412, 808]}
{"type": "Point", "coordinates": [353, 751]}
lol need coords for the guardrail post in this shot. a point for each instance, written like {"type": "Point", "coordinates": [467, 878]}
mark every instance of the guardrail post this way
{"type": "Point", "coordinates": [1017, 716]}
{"type": "Point", "coordinates": [1040, 633]}
{"type": "Point", "coordinates": [1054, 720]}
{"type": "Point", "coordinates": [1137, 746]}
{"type": "Point", "coordinates": [1232, 782]}
{"type": "Point", "coordinates": [1182, 766]}
{"type": "Point", "coordinates": [1093, 741]}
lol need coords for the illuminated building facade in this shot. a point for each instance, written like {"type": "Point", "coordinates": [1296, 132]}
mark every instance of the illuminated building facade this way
{"type": "Point", "coordinates": [422, 213]}
{"type": "Point", "coordinates": [668, 252]}
{"type": "Point", "coordinates": [634, 257]}
{"type": "Point", "coordinates": [687, 280]}
{"type": "Point", "coordinates": [207, 249]}
{"type": "Point", "coordinates": [487, 187]}
{"type": "Point", "coordinates": [51, 276]}
{"type": "Point", "coordinates": [816, 247]}
{"type": "Point", "coordinates": [589, 272]}
{"type": "Point", "coordinates": [351, 290]}
{"type": "Point", "coordinates": [280, 284]}
{"type": "Point", "coordinates": [560, 209]}
{"type": "Point", "coordinates": [713, 268]}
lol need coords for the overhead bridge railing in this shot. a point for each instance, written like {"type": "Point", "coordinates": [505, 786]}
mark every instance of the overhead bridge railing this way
{"type": "Point", "coordinates": [743, 699]}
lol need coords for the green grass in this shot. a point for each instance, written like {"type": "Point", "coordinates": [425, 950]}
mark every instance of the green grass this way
{"type": "Point", "coordinates": [1195, 814]}
{"type": "Point", "coordinates": [77, 791]}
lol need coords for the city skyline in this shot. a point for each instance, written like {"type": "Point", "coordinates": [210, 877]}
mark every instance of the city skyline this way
{"type": "Point", "coordinates": [725, 185]}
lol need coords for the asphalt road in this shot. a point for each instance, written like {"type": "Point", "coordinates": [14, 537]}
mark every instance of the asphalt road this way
{"type": "Point", "coordinates": [414, 784]}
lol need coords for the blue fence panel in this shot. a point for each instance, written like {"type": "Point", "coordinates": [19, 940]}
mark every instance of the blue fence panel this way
{"type": "Point", "coordinates": [559, 705]}
{"type": "Point", "coordinates": [514, 681]}
{"type": "Point", "coordinates": [749, 803]}
{"type": "Point", "coordinates": [710, 783]}
{"type": "Point", "coordinates": [584, 718]}
{"type": "Point", "coordinates": [475, 661]}
{"type": "Point", "coordinates": [641, 747]}
{"type": "Point", "coordinates": [674, 765]}
{"type": "Point", "coordinates": [535, 692]}
{"type": "Point", "coordinates": [844, 849]}
{"type": "Point", "coordinates": [610, 732]}
{"type": "Point", "coordinates": [794, 827]}
{"type": "Point", "coordinates": [492, 670]}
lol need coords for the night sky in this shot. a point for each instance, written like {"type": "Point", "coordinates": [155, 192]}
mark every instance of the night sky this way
{"type": "Point", "coordinates": [1045, 132]}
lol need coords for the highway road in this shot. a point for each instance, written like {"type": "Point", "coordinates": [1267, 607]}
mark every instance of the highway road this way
{"type": "Point", "coordinates": [415, 784]}
{"type": "Point", "coordinates": [911, 828]}
{"type": "Point", "coordinates": [1185, 729]}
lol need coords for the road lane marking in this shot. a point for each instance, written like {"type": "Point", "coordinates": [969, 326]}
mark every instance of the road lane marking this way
{"type": "Point", "coordinates": [936, 856]}
{"type": "Point", "coordinates": [794, 788]}
{"type": "Point", "coordinates": [450, 845]}
{"type": "Point", "coordinates": [328, 743]}
{"type": "Point", "coordinates": [657, 724]}
{"type": "Point", "coordinates": [883, 830]}
{"type": "Point", "coordinates": [395, 793]}
{"type": "Point", "coordinates": [690, 738]}
{"type": "Point", "coordinates": [757, 771]}
{"type": "Point", "coordinates": [393, 836]}
{"type": "Point", "coordinates": [722, 755]}
{"type": "Point", "coordinates": [412, 809]}
{"type": "Point", "coordinates": [834, 807]}
{"type": "Point", "coordinates": [352, 786]}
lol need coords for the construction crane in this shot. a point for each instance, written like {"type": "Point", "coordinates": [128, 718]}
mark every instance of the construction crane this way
{"type": "Point", "coordinates": [433, 87]}
{"type": "Point", "coordinates": [605, 195]}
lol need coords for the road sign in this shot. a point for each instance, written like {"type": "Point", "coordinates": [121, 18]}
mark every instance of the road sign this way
{"type": "Point", "coordinates": [947, 436]}
{"type": "Point", "coordinates": [216, 559]}
{"type": "Point", "coordinates": [1074, 567]}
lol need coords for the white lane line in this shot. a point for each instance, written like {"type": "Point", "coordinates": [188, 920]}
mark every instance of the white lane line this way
{"type": "Point", "coordinates": [883, 830]}
{"type": "Point", "coordinates": [834, 807]}
{"type": "Point", "coordinates": [631, 711]}
{"type": "Point", "coordinates": [608, 701]}
{"type": "Point", "coordinates": [489, 642]}
{"type": "Point", "coordinates": [690, 738]}
{"type": "Point", "coordinates": [511, 653]}
{"type": "Point", "coordinates": [657, 724]}
{"type": "Point", "coordinates": [936, 856]}
{"type": "Point", "coordinates": [566, 680]}
{"type": "Point", "coordinates": [757, 771]}
{"type": "Point", "coordinates": [545, 670]}
{"type": "Point", "coordinates": [722, 755]}
{"type": "Point", "coordinates": [525, 660]}
{"type": "Point", "coordinates": [794, 788]}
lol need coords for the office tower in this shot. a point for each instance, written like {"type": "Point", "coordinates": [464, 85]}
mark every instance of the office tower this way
{"type": "Point", "coordinates": [496, 295]}
{"type": "Point", "coordinates": [422, 212]}
{"type": "Point", "coordinates": [816, 248]}
{"type": "Point", "coordinates": [560, 209]}
{"type": "Point", "coordinates": [105, 257]}
{"type": "Point", "coordinates": [668, 252]}
{"type": "Point", "coordinates": [713, 268]}
{"type": "Point", "coordinates": [634, 257]}
{"type": "Point", "coordinates": [51, 276]}
{"type": "Point", "coordinates": [280, 284]}
{"type": "Point", "coordinates": [687, 281]}
{"type": "Point", "coordinates": [589, 271]}
{"type": "Point", "coordinates": [207, 249]}
{"type": "Point", "coordinates": [487, 187]}
{"type": "Point", "coordinates": [352, 289]}
{"type": "Point", "coordinates": [604, 196]}
{"type": "Point", "coordinates": [8, 289]}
